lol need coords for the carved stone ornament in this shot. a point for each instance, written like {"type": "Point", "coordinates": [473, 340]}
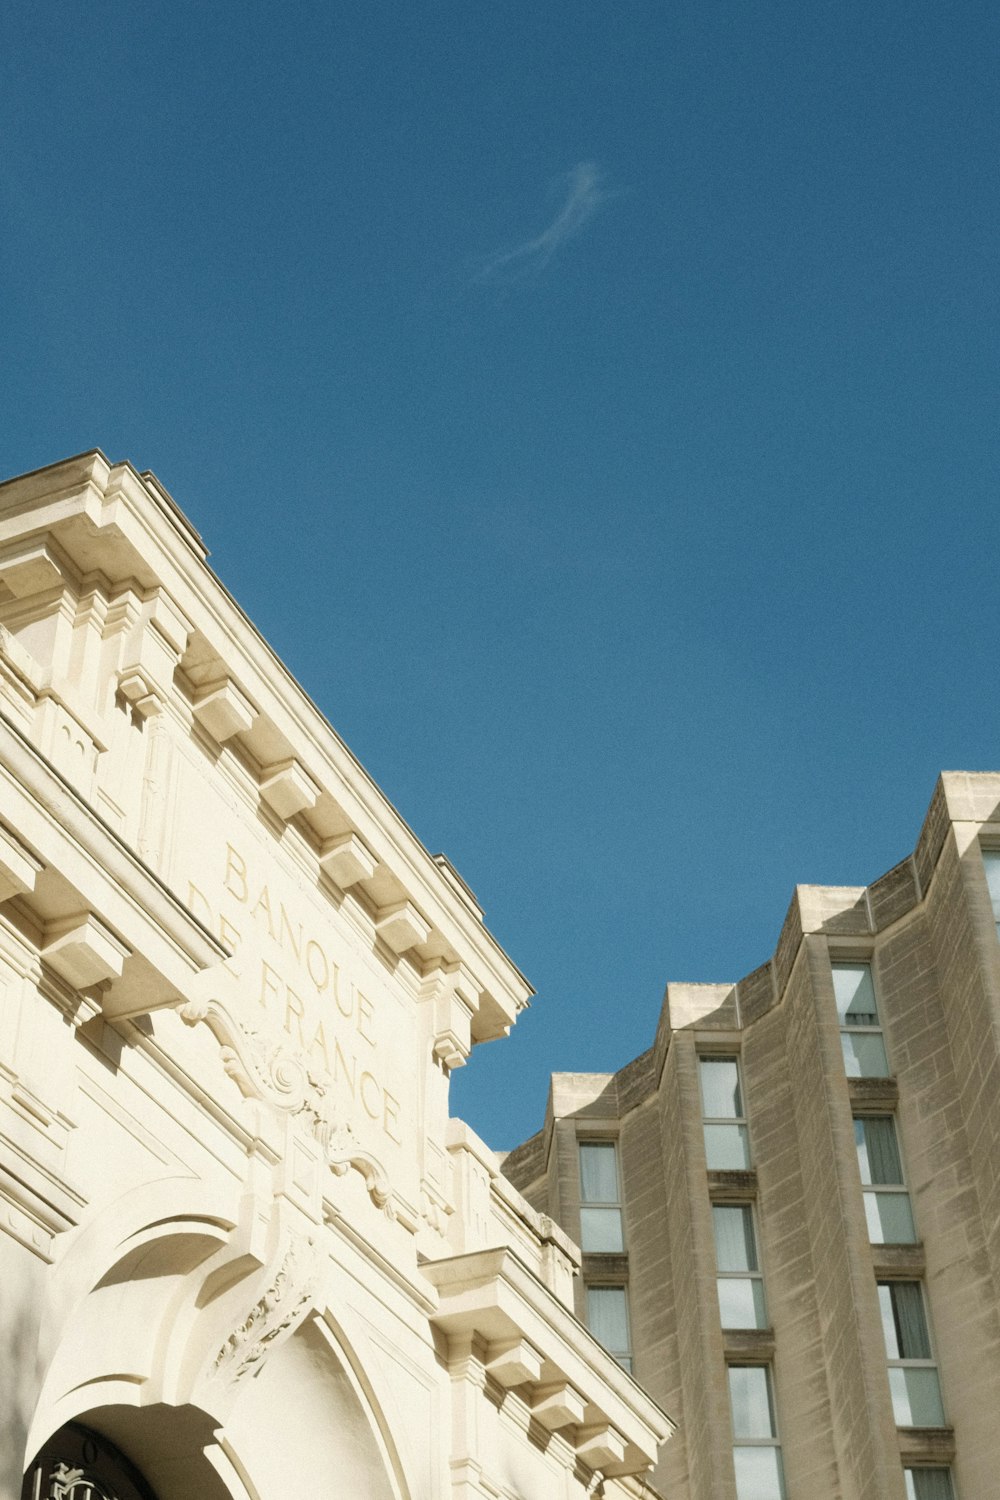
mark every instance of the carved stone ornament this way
{"type": "Point", "coordinates": [343, 1153]}
{"type": "Point", "coordinates": [277, 1312]}
{"type": "Point", "coordinates": [261, 1065]}
{"type": "Point", "coordinates": [263, 1068]}
{"type": "Point", "coordinates": [75, 1484]}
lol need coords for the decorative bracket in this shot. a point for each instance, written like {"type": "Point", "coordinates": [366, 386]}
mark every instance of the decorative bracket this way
{"type": "Point", "coordinates": [276, 1313]}
{"type": "Point", "coordinates": [264, 1069]}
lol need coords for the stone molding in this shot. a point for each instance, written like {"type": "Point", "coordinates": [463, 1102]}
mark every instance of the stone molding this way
{"type": "Point", "coordinates": [489, 1301]}
{"type": "Point", "coordinates": [185, 645]}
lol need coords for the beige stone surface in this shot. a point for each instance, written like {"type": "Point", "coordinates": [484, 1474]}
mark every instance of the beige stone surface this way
{"type": "Point", "coordinates": [927, 930]}
{"type": "Point", "coordinates": [241, 1241]}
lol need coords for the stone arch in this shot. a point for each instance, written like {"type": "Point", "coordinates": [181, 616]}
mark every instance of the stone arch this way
{"type": "Point", "coordinates": [169, 1347]}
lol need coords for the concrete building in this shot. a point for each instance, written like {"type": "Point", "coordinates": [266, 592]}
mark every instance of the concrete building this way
{"type": "Point", "coordinates": [245, 1253]}
{"type": "Point", "coordinates": [789, 1207]}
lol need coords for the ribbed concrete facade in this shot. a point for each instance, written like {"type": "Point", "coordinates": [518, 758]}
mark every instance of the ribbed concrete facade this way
{"type": "Point", "coordinates": [859, 1070]}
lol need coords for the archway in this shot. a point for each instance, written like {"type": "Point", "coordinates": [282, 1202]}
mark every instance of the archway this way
{"type": "Point", "coordinates": [79, 1464]}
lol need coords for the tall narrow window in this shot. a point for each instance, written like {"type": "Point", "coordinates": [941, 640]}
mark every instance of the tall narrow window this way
{"type": "Point", "coordinates": [991, 863]}
{"type": "Point", "coordinates": [756, 1453]}
{"type": "Point", "coordinates": [607, 1319]}
{"type": "Point", "coordinates": [913, 1376]}
{"type": "Point", "coordinates": [741, 1286]}
{"type": "Point", "coordinates": [860, 1029]}
{"type": "Point", "coordinates": [600, 1210]}
{"type": "Point", "coordinates": [726, 1142]}
{"type": "Point", "coordinates": [887, 1203]}
{"type": "Point", "coordinates": [928, 1484]}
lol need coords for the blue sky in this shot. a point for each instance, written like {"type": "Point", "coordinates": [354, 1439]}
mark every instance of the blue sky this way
{"type": "Point", "coordinates": [596, 407]}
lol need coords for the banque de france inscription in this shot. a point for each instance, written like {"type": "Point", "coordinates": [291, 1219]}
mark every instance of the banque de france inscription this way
{"type": "Point", "coordinates": [280, 967]}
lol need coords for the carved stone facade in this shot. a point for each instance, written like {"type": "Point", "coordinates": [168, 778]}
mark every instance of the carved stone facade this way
{"type": "Point", "coordinates": [794, 1195]}
{"type": "Point", "coordinates": [244, 1251]}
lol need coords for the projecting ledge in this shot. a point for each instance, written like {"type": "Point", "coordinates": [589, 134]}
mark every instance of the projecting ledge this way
{"type": "Point", "coordinates": [490, 1299]}
{"type": "Point", "coordinates": [108, 919]}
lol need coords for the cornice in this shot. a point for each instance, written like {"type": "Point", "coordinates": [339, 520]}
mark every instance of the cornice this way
{"type": "Point", "coordinates": [108, 923]}
{"type": "Point", "coordinates": [124, 526]}
{"type": "Point", "coordinates": [493, 1310]}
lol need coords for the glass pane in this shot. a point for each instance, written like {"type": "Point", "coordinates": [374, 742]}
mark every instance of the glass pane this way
{"type": "Point", "coordinates": [890, 1219]}
{"type": "Point", "coordinates": [852, 985]}
{"type": "Point", "coordinates": [741, 1302]}
{"type": "Point", "coordinates": [720, 1088]}
{"type": "Point", "coordinates": [598, 1172]}
{"type": "Point", "coordinates": [750, 1399]}
{"type": "Point", "coordinates": [864, 1054]}
{"type": "Point", "coordinates": [991, 861]}
{"type": "Point", "coordinates": [727, 1147]}
{"type": "Point", "coordinates": [878, 1153]}
{"type": "Point", "coordinates": [607, 1317]}
{"type": "Point", "coordinates": [601, 1230]}
{"type": "Point", "coordinates": [735, 1249]}
{"type": "Point", "coordinates": [903, 1320]}
{"type": "Point", "coordinates": [916, 1398]}
{"type": "Point", "coordinates": [928, 1484]}
{"type": "Point", "coordinates": [758, 1474]}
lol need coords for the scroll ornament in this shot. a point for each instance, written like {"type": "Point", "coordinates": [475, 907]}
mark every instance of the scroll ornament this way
{"type": "Point", "coordinates": [264, 1068]}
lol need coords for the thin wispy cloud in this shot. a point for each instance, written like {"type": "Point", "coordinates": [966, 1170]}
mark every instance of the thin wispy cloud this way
{"type": "Point", "coordinates": [585, 194]}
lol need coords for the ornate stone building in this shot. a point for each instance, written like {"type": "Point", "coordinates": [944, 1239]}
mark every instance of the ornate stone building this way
{"type": "Point", "coordinates": [244, 1251]}
{"type": "Point", "coordinates": [789, 1207]}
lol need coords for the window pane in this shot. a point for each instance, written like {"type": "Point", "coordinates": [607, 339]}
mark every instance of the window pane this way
{"type": "Point", "coordinates": [601, 1230]}
{"type": "Point", "coordinates": [758, 1474]}
{"type": "Point", "coordinates": [878, 1153]}
{"type": "Point", "coordinates": [890, 1219]}
{"type": "Point", "coordinates": [727, 1147]}
{"type": "Point", "coordinates": [916, 1397]}
{"type": "Point", "coordinates": [903, 1320]}
{"type": "Point", "coordinates": [864, 1054]}
{"type": "Point", "coordinates": [735, 1249]}
{"type": "Point", "coordinates": [720, 1088]}
{"type": "Point", "coordinates": [852, 985]}
{"type": "Point", "coordinates": [750, 1399]}
{"type": "Point", "coordinates": [928, 1484]}
{"type": "Point", "coordinates": [598, 1172]}
{"type": "Point", "coordinates": [991, 861]}
{"type": "Point", "coordinates": [741, 1302]}
{"type": "Point", "coordinates": [607, 1317]}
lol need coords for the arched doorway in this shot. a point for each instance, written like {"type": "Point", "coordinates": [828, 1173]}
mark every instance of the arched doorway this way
{"type": "Point", "coordinates": [78, 1464]}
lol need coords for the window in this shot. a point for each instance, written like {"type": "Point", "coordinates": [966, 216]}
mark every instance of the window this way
{"type": "Point", "coordinates": [887, 1203]}
{"type": "Point", "coordinates": [600, 1211]}
{"type": "Point", "coordinates": [607, 1319]}
{"type": "Point", "coordinates": [913, 1376]}
{"type": "Point", "coordinates": [991, 863]}
{"type": "Point", "coordinates": [740, 1284]}
{"type": "Point", "coordinates": [726, 1142]}
{"type": "Point", "coordinates": [928, 1484]}
{"type": "Point", "coordinates": [860, 1030]}
{"type": "Point", "coordinates": [756, 1454]}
